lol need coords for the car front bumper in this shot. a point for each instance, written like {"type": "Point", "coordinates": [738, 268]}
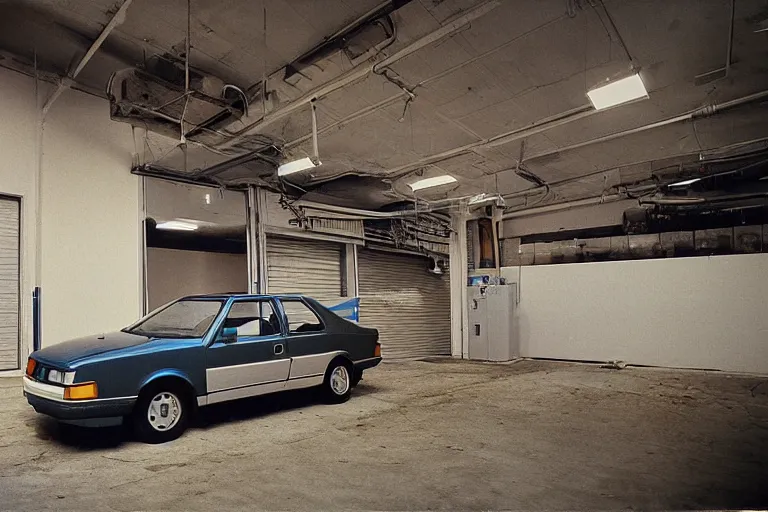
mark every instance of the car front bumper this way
{"type": "Point", "coordinates": [49, 400]}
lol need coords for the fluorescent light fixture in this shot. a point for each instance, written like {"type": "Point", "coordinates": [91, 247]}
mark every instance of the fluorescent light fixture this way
{"type": "Point", "coordinates": [432, 182]}
{"type": "Point", "coordinates": [299, 165]}
{"type": "Point", "coordinates": [684, 183]}
{"type": "Point", "coordinates": [176, 225]}
{"type": "Point", "coordinates": [618, 92]}
{"type": "Point", "coordinates": [484, 198]}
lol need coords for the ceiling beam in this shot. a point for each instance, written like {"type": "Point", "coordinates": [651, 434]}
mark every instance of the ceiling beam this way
{"type": "Point", "coordinates": [69, 80]}
{"type": "Point", "coordinates": [22, 65]}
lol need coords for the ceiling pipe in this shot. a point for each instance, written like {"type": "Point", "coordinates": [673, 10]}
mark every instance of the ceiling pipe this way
{"type": "Point", "coordinates": [363, 70]}
{"type": "Point", "coordinates": [357, 214]}
{"type": "Point", "coordinates": [565, 118]}
{"type": "Point", "coordinates": [497, 140]}
{"type": "Point", "coordinates": [683, 201]}
{"type": "Point", "coordinates": [400, 96]}
{"type": "Point", "coordinates": [705, 111]}
{"type": "Point", "coordinates": [590, 201]}
{"type": "Point", "coordinates": [68, 81]}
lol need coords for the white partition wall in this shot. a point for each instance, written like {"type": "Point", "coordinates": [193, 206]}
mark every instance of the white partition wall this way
{"type": "Point", "coordinates": [709, 313]}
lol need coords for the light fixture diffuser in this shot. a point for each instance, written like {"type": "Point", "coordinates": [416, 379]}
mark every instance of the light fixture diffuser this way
{"type": "Point", "coordinates": [432, 182]}
{"type": "Point", "coordinates": [299, 165]}
{"type": "Point", "coordinates": [685, 182]}
{"type": "Point", "coordinates": [618, 92]}
{"type": "Point", "coordinates": [177, 225]}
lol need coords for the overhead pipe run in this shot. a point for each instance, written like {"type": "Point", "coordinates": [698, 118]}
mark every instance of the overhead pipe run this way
{"type": "Point", "coordinates": [403, 95]}
{"type": "Point", "coordinates": [590, 201]}
{"type": "Point", "coordinates": [705, 111]}
{"type": "Point", "coordinates": [357, 214]}
{"type": "Point", "coordinates": [498, 140]}
{"type": "Point", "coordinates": [363, 70]}
{"type": "Point", "coordinates": [565, 118]}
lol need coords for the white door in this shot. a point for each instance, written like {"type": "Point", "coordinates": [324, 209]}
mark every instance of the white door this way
{"type": "Point", "coordinates": [9, 284]}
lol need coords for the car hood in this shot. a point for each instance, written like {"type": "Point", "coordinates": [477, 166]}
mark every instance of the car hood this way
{"type": "Point", "coordinates": [63, 354]}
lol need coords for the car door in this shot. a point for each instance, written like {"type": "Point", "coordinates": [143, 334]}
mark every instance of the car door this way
{"type": "Point", "coordinates": [252, 362]}
{"type": "Point", "coordinates": [308, 343]}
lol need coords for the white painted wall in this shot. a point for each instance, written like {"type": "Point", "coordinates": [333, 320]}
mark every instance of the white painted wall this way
{"type": "Point", "coordinates": [90, 211]}
{"type": "Point", "coordinates": [172, 274]}
{"type": "Point", "coordinates": [17, 177]}
{"type": "Point", "coordinates": [685, 312]}
{"type": "Point", "coordinates": [90, 237]}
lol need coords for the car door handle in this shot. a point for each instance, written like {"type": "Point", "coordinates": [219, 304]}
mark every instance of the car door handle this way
{"type": "Point", "coordinates": [279, 349]}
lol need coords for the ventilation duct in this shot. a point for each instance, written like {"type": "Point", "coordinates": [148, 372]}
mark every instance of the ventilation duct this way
{"type": "Point", "coordinates": [154, 98]}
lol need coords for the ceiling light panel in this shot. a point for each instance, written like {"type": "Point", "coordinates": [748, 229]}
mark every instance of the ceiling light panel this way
{"type": "Point", "coordinates": [297, 166]}
{"type": "Point", "coordinates": [176, 225]}
{"type": "Point", "coordinates": [618, 92]}
{"type": "Point", "coordinates": [432, 182]}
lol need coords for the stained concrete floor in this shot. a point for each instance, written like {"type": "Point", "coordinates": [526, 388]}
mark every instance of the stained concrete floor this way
{"type": "Point", "coordinates": [420, 435]}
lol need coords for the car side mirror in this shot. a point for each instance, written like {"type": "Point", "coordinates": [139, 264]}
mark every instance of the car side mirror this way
{"type": "Point", "coordinates": [228, 335]}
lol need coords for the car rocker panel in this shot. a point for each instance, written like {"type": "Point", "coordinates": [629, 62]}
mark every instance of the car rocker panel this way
{"type": "Point", "coordinates": [226, 347]}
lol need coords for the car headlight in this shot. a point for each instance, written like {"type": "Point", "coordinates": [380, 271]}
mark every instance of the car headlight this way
{"type": "Point", "coordinates": [65, 378]}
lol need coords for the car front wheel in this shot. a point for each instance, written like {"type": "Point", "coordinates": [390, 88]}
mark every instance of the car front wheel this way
{"type": "Point", "coordinates": [161, 414]}
{"type": "Point", "coordinates": [338, 381]}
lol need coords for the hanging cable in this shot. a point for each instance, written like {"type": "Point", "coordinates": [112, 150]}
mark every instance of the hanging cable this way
{"type": "Point", "coordinates": [240, 92]}
{"type": "Point", "coordinates": [618, 34]}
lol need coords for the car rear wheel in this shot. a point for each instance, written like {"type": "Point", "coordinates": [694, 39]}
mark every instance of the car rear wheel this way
{"type": "Point", "coordinates": [161, 414]}
{"type": "Point", "coordinates": [338, 381]}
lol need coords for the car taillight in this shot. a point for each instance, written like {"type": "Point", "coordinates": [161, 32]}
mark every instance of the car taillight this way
{"type": "Point", "coordinates": [31, 364]}
{"type": "Point", "coordinates": [377, 350]}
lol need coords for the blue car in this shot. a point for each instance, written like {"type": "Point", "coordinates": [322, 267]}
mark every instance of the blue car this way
{"type": "Point", "coordinates": [197, 351]}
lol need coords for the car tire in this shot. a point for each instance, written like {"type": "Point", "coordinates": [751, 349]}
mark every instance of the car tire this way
{"type": "Point", "coordinates": [357, 376]}
{"type": "Point", "coordinates": [337, 385]}
{"type": "Point", "coordinates": [161, 413]}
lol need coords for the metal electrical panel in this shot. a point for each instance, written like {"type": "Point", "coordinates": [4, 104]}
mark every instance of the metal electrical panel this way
{"type": "Point", "coordinates": [491, 313]}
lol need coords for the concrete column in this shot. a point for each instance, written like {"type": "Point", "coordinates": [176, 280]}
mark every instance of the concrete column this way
{"type": "Point", "coordinates": [458, 280]}
{"type": "Point", "coordinates": [349, 278]}
{"type": "Point", "coordinates": [257, 241]}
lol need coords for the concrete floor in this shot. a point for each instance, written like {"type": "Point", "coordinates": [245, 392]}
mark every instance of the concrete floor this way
{"type": "Point", "coordinates": [421, 435]}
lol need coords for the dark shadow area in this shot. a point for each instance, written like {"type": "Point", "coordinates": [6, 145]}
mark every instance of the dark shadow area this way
{"type": "Point", "coordinates": [81, 438]}
{"type": "Point", "coordinates": [107, 438]}
{"type": "Point", "coordinates": [742, 485]}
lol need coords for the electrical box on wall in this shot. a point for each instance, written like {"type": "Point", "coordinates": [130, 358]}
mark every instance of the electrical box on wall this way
{"type": "Point", "coordinates": [492, 329]}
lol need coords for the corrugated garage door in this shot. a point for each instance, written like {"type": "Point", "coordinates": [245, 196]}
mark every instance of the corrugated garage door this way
{"type": "Point", "coordinates": [410, 307]}
{"type": "Point", "coordinates": [309, 267]}
{"type": "Point", "coordinates": [9, 284]}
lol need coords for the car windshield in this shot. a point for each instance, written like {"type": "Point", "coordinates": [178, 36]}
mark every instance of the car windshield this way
{"type": "Point", "coordinates": [187, 318]}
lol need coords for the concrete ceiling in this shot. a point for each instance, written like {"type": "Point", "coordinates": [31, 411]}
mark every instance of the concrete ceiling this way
{"type": "Point", "coordinates": [510, 82]}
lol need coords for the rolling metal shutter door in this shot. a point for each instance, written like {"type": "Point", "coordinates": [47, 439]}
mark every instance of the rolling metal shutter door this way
{"type": "Point", "coordinates": [308, 267]}
{"type": "Point", "coordinates": [9, 284]}
{"type": "Point", "coordinates": [410, 307]}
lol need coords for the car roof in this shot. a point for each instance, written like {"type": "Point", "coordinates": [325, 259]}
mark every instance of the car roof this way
{"type": "Point", "coordinates": [220, 296]}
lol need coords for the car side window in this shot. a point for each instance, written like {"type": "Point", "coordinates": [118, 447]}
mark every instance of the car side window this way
{"type": "Point", "coordinates": [300, 317]}
{"type": "Point", "coordinates": [253, 318]}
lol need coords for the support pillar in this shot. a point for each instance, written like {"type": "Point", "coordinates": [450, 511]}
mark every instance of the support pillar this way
{"type": "Point", "coordinates": [458, 283]}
